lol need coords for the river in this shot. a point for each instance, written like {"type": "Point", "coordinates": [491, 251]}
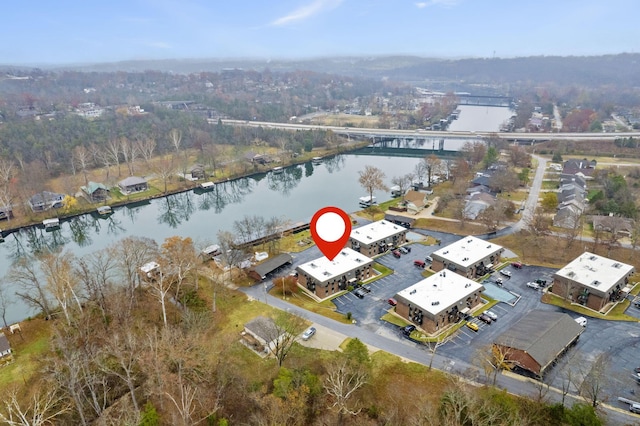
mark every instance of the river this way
{"type": "Point", "coordinates": [295, 194]}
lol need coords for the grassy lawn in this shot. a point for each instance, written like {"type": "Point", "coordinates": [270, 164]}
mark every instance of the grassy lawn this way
{"type": "Point", "coordinates": [325, 308]}
{"type": "Point", "coordinates": [617, 314]}
{"type": "Point", "coordinates": [28, 350]}
{"type": "Point", "coordinates": [450, 227]}
{"type": "Point", "coordinates": [549, 184]}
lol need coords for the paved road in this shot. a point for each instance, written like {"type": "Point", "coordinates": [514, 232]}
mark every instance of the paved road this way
{"type": "Point", "coordinates": [384, 338]}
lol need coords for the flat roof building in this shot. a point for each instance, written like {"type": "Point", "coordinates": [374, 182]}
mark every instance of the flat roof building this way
{"type": "Point", "coordinates": [377, 237]}
{"type": "Point", "coordinates": [592, 280]}
{"type": "Point", "coordinates": [438, 300]}
{"type": "Point", "coordinates": [469, 257]}
{"type": "Point", "coordinates": [325, 277]}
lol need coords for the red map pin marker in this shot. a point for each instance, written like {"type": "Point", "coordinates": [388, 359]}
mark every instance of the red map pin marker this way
{"type": "Point", "coordinates": [330, 229]}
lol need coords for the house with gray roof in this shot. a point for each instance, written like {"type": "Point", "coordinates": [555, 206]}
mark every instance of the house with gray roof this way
{"type": "Point", "coordinates": [5, 347]}
{"type": "Point", "coordinates": [261, 334]}
{"type": "Point", "coordinates": [537, 340]}
{"type": "Point", "coordinates": [259, 272]}
{"type": "Point", "coordinates": [46, 200]}
{"type": "Point", "coordinates": [133, 184]}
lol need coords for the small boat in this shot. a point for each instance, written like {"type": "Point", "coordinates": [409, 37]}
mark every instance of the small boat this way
{"type": "Point", "coordinates": [104, 210]}
{"type": "Point", "coordinates": [367, 201]}
{"type": "Point", "coordinates": [51, 224]}
{"type": "Point", "coordinates": [316, 160]}
{"type": "Point", "coordinates": [277, 170]}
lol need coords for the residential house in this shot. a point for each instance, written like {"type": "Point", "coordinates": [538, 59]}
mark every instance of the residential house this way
{"type": "Point", "coordinates": [476, 203]}
{"type": "Point", "coordinates": [133, 184]}
{"type": "Point", "coordinates": [261, 335]}
{"type": "Point", "coordinates": [95, 192]}
{"type": "Point", "coordinates": [6, 212]}
{"type": "Point", "coordinates": [257, 158]}
{"type": "Point", "coordinates": [5, 347]}
{"type": "Point", "coordinates": [415, 201]}
{"type": "Point", "coordinates": [46, 200]}
{"type": "Point", "coordinates": [197, 172]}
{"type": "Point", "coordinates": [574, 166]}
{"type": "Point", "coordinates": [568, 215]}
{"type": "Point", "coordinates": [613, 224]}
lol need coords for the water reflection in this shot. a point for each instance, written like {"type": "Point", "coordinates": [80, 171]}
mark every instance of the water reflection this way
{"type": "Point", "coordinates": [39, 240]}
{"type": "Point", "coordinates": [176, 208]}
{"type": "Point", "coordinates": [285, 181]}
{"type": "Point", "coordinates": [335, 163]}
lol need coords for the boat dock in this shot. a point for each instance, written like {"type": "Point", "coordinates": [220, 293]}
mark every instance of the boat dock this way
{"type": "Point", "coordinates": [104, 210]}
{"type": "Point", "coordinates": [51, 224]}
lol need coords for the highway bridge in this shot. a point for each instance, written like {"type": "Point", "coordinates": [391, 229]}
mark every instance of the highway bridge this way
{"type": "Point", "coordinates": [376, 135]}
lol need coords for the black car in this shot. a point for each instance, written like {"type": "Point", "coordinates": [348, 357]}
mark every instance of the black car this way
{"type": "Point", "coordinates": [407, 330]}
{"type": "Point", "coordinates": [366, 288]}
{"type": "Point", "coordinates": [359, 293]}
{"type": "Point", "coordinates": [485, 318]}
{"type": "Point", "coordinates": [541, 283]}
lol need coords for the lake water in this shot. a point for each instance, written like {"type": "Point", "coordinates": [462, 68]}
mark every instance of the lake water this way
{"type": "Point", "coordinates": [480, 118]}
{"type": "Point", "coordinates": [295, 194]}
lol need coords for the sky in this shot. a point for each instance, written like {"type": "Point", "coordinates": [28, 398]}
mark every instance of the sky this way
{"type": "Point", "coordinates": [39, 32]}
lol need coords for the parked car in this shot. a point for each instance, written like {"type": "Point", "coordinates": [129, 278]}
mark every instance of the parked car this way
{"type": "Point", "coordinates": [540, 282]}
{"type": "Point", "coordinates": [359, 293]}
{"type": "Point", "coordinates": [407, 330]}
{"type": "Point", "coordinates": [419, 263]}
{"type": "Point", "coordinates": [499, 282]}
{"type": "Point", "coordinates": [634, 408]}
{"type": "Point", "coordinates": [428, 259]}
{"type": "Point", "coordinates": [533, 285]}
{"type": "Point", "coordinates": [308, 333]}
{"type": "Point", "coordinates": [392, 301]}
{"type": "Point", "coordinates": [473, 326]}
{"type": "Point", "coordinates": [582, 321]}
{"type": "Point", "coordinates": [366, 288]}
{"type": "Point", "coordinates": [517, 265]}
{"type": "Point", "coordinates": [636, 370]}
{"type": "Point", "coordinates": [491, 315]}
{"type": "Point", "coordinates": [485, 318]}
{"type": "Point", "coordinates": [404, 250]}
{"type": "Point", "coordinates": [396, 253]}
{"type": "Point", "coordinates": [505, 273]}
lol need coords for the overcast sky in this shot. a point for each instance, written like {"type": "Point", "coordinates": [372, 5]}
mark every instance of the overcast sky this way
{"type": "Point", "coordinates": [62, 32]}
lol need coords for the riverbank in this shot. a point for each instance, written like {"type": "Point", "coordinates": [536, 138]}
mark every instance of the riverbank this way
{"type": "Point", "coordinates": [237, 168]}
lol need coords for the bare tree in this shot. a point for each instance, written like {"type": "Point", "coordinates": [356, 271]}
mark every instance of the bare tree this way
{"type": "Point", "coordinates": [62, 282]}
{"type": "Point", "coordinates": [178, 259]}
{"type": "Point", "coordinates": [281, 332]}
{"type": "Point", "coordinates": [42, 409]}
{"type": "Point", "coordinates": [432, 165]}
{"type": "Point", "coordinates": [129, 152]}
{"type": "Point", "coordinates": [112, 154]}
{"type": "Point", "coordinates": [372, 178]}
{"type": "Point", "coordinates": [96, 272]}
{"type": "Point", "coordinates": [342, 381]}
{"type": "Point", "coordinates": [146, 148]}
{"type": "Point", "coordinates": [420, 170]}
{"type": "Point", "coordinates": [121, 357]}
{"type": "Point", "coordinates": [594, 376]}
{"type": "Point", "coordinates": [81, 159]}
{"type": "Point", "coordinates": [165, 170]}
{"type": "Point", "coordinates": [5, 301]}
{"type": "Point", "coordinates": [25, 273]}
{"type": "Point", "coordinates": [131, 253]}
{"type": "Point", "coordinates": [175, 136]}
{"type": "Point", "coordinates": [230, 254]}
{"type": "Point", "coordinates": [403, 183]}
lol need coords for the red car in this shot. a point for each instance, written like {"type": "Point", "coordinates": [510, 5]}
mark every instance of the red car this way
{"type": "Point", "coordinates": [396, 253]}
{"type": "Point", "coordinates": [392, 301]}
{"type": "Point", "coordinates": [517, 265]}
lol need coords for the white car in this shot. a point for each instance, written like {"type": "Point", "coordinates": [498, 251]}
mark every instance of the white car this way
{"type": "Point", "coordinates": [308, 333]}
{"type": "Point", "coordinates": [505, 273]}
{"type": "Point", "coordinates": [533, 285]}
{"type": "Point", "coordinates": [491, 315]}
{"type": "Point", "coordinates": [582, 321]}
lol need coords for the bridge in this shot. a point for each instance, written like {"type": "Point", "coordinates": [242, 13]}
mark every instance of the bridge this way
{"type": "Point", "coordinates": [378, 135]}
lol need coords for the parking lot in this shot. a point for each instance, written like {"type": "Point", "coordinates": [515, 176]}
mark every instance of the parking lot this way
{"type": "Point", "coordinates": [620, 340]}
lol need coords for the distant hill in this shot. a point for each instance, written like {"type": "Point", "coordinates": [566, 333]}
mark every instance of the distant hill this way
{"type": "Point", "coordinates": [621, 70]}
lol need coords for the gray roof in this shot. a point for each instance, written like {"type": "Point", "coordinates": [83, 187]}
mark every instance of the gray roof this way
{"type": "Point", "coordinates": [4, 343]}
{"type": "Point", "coordinates": [263, 327]}
{"type": "Point", "coordinates": [542, 334]}
{"type": "Point", "coordinates": [271, 264]}
{"type": "Point", "coordinates": [132, 180]}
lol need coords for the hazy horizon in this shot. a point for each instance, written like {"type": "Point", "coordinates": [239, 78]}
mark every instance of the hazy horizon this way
{"type": "Point", "coordinates": [58, 34]}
